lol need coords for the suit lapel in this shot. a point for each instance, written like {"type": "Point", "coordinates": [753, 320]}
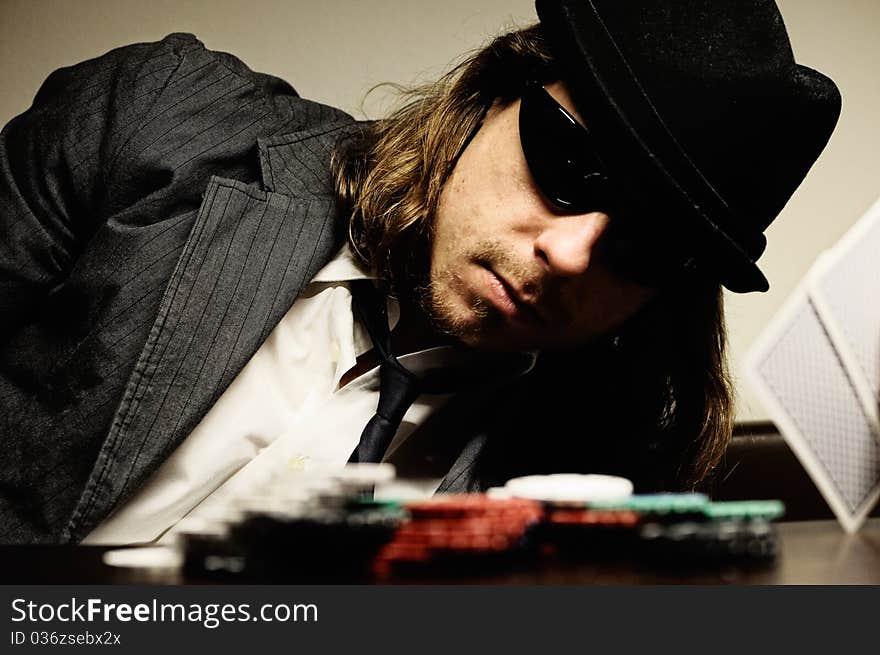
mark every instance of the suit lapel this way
{"type": "Point", "coordinates": [466, 418]}
{"type": "Point", "coordinates": [248, 256]}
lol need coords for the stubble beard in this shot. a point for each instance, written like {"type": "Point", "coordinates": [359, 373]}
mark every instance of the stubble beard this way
{"type": "Point", "coordinates": [440, 297]}
{"type": "Point", "coordinates": [439, 301]}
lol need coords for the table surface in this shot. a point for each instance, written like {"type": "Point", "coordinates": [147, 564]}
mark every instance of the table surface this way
{"type": "Point", "coordinates": [811, 552]}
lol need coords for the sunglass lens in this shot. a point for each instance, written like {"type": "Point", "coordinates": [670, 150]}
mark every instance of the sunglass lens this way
{"type": "Point", "coordinates": [559, 154]}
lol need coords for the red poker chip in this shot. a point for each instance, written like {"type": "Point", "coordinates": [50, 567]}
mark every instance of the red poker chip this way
{"type": "Point", "coordinates": [472, 504]}
{"type": "Point", "coordinates": [471, 525]}
{"type": "Point", "coordinates": [405, 551]}
{"type": "Point", "coordinates": [611, 518]}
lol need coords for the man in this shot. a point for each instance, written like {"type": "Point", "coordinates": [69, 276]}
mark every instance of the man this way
{"type": "Point", "coordinates": [177, 300]}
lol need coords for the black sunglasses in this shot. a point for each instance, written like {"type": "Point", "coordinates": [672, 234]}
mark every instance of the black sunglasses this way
{"type": "Point", "coordinates": [572, 178]}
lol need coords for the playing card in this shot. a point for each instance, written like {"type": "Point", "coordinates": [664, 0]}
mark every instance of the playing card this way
{"type": "Point", "coordinates": [802, 382]}
{"type": "Point", "coordinates": [844, 287]}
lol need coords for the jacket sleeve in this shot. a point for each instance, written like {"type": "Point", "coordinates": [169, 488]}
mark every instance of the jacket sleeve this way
{"type": "Point", "coordinates": [145, 124]}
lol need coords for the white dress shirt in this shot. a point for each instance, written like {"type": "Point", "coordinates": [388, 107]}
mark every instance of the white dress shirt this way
{"type": "Point", "coordinates": [283, 412]}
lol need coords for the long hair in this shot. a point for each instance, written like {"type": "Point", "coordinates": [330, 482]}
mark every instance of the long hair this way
{"type": "Point", "coordinates": [388, 179]}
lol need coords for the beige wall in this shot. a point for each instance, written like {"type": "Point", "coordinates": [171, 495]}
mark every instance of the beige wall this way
{"type": "Point", "coordinates": [335, 50]}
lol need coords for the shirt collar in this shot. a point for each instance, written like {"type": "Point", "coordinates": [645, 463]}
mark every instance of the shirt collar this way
{"type": "Point", "coordinates": [343, 268]}
{"type": "Point", "coordinates": [485, 369]}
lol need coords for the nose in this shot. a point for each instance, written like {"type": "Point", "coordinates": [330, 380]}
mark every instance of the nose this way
{"type": "Point", "coordinates": [567, 242]}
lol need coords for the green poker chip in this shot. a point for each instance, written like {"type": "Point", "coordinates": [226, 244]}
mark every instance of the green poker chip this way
{"type": "Point", "coordinates": [663, 503]}
{"type": "Point", "coordinates": [744, 509]}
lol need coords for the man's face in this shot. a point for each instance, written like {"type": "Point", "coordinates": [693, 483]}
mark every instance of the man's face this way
{"type": "Point", "coordinates": [508, 271]}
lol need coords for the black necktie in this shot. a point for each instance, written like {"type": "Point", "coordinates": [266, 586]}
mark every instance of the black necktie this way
{"type": "Point", "coordinates": [398, 387]}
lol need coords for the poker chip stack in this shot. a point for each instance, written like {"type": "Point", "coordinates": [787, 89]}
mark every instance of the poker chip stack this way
{"type": "Point", "coordinates": [329, 528]}
{"type": "Point", "coordinates": [587, 516]}
{"type": "Point", "coordinates": [736, 532]}
{"type": "Point", "coordinates": [460, 535]}
{"type": "Point", "coordinates": [614, 527]}
{"type": "Point", "coordinates": [207, 552]}
{"type": "Point", "coordinates": [659, 508]}
{"type": "Point", "coordinates": [678, 530]}
{"type": "Point", "coordinates": [571, 526]}
{"type": "Point", "coordinates": [320, 528]}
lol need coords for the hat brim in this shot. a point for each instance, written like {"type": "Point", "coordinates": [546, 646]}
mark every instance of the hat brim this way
{"type": "Point", "coordinates": [635, 142]}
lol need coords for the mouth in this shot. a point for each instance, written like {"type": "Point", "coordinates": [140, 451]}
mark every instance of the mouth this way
{"type": "Point", "coordinates": [509, 301]}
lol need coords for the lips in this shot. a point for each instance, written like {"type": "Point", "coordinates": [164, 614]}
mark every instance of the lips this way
{"type": "Point", "coordinates": [509, 300]}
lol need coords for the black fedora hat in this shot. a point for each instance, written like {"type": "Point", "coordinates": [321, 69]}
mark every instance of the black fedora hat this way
{"type": "Point", "coordinates": [698, 107]}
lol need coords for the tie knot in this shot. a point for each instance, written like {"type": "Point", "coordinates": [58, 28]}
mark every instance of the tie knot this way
{"type": "Point", "coordinates": [398, 389]}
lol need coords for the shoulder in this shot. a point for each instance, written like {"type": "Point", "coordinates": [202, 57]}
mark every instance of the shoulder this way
{"type": "Point", "coordinates": [134, 66]}
{"type": "Point", "coordinates": [160, 118]}
{"type": "Point", "coordinates": [145, 63]}
{"type": "Point", "coordinates": [178, 75]}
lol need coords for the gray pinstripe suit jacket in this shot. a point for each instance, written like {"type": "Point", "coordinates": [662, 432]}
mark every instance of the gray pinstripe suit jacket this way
{"type": "Point", "coordinates": [161, 207]}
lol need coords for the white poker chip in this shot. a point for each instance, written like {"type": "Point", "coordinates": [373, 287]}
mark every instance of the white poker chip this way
{"type": "Point", "coordinates": [365, 473]}
{"type": "Point", "coordinates": [406, 489]}
{"type": "Point", "coordinates": [147, 557]}
{"type": "Point", "coordinates": [570, 487]}
{"type": "Point", "coordinates": [498, 492]}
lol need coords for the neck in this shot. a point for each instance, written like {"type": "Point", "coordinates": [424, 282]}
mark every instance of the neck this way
{"type": "Point", "coordinates": [414, 331]}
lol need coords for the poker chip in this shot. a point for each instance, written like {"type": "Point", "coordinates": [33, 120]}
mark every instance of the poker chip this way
{"type": "Point", "coordinates": [317, 526]}
{"type": "Point", "coordinates": [459, 532]}
{"type": "Point", "coordinates": [591, 517]}
{"type": "Point", "coordinates": [661, 503]}
{"type": "Point", "coordinates": [153, 558]}
{"type": "Point", "coordinates": [570, 487]}
{"type": "Point", "coordinates": [470, 505]}
{"type": "Point", "coordinates": [744, 509]}
{"type": "Point", "coordinates": [365, 474]}
{"type": "Point", "coordinates": [730, 541]}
